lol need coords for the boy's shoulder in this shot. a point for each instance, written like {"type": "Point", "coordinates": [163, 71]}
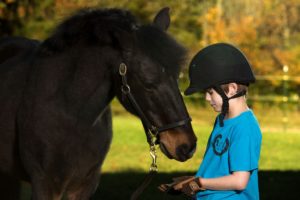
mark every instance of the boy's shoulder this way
{"type": "Point", "coordinates": [248, 117]}
{"type": "Point", "coordinates": [247, 123]}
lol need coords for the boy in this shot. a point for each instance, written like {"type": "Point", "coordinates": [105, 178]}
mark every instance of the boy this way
{"type": "Point", "coordinates": [230, 164]}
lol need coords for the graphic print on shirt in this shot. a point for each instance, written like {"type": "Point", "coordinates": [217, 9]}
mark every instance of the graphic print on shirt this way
{"type": "Point", "coordinates": [220, 145]}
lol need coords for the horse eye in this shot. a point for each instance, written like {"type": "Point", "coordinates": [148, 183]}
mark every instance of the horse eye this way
{"type": "Point", "coordinates": [149, 86]}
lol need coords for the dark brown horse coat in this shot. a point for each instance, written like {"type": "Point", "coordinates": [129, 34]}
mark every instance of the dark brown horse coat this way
{"type": "Point", "coordinates": [55, 119]}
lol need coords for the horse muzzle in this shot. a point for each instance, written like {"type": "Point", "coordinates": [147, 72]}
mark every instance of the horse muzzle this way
{"type": "Point", "coordinates": [176, 145]}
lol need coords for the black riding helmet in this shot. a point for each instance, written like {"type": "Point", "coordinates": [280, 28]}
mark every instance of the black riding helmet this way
{"type": "Point", "coordinates": [218, 64]}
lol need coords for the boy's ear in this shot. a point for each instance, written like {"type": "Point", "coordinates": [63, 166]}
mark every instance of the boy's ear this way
{"type": "Point", "coordinates": [232, 89]}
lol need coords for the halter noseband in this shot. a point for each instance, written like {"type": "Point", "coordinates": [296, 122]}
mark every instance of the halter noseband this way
{"type": "Point", "coordinates": [152, 131]}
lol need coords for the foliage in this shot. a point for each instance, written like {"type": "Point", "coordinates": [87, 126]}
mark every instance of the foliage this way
{"type": "Point", "coordinates": [267, 31]}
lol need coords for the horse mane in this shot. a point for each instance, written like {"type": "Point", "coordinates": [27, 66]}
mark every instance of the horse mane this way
{"type": "Point", "coordinates": [91, 26]}
{"type": "Point", "coordinates": [99, 26]}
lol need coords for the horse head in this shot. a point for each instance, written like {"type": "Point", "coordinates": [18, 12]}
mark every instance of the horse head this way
{"type": "Point", "coordinates": [110, 38]}
{"type": "Point", "coordinates": [146, 85]}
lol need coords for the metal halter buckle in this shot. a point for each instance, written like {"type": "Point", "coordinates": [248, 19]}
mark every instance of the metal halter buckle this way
{"type": "Point", "coordinates": [122, 69]}
{"type": "Point", "coordinates": [125, 89]}
{"type": "Point", "coordinates": [153, 167]}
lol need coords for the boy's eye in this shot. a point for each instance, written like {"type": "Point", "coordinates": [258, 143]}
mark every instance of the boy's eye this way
{"type": "Point", "coordinates": [209, 91]}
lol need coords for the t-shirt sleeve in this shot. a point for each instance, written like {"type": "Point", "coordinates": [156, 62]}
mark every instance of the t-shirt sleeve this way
{"type": "Point", "coordinates": [244, 150]}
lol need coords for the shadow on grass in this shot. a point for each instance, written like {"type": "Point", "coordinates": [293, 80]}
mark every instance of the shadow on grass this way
{"type": "Point", "coordinates": [274, 185]}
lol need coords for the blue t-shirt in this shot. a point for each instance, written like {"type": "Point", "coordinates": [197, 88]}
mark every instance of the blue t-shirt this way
{"type": "Point", "coordinates": [233, 147]}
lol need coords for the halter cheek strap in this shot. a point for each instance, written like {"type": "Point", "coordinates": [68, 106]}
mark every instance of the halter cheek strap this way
{"type": "Point", "coordinates": [225, 105]}
{"type": "Point", "coordinates": [152, 131]}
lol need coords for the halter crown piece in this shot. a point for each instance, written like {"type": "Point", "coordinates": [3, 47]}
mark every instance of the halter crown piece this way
{"type": "Point", "coordinates": [218, 64]}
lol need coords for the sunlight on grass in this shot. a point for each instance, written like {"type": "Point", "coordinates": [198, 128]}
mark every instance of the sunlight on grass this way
{"type": "Point", "coordinates": [130, 151]}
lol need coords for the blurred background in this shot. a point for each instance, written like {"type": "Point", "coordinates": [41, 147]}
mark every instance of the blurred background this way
{"type": "Point", "coordinates": [267, 31]}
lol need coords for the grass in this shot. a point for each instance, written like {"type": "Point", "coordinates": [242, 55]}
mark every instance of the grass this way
{"type": "Point", "coordinates": [129, 149]}
{"type": "Point", "coordinates": [128, 160]}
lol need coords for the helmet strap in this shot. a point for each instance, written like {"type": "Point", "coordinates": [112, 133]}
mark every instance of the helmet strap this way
{"type": "Point", "coordinates": [225, 105]}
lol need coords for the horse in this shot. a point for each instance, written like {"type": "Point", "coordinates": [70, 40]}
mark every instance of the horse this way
{"type": "Point", "coordinates": [55, 115]}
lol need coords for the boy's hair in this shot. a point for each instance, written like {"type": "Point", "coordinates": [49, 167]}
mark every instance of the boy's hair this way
{"type": "Point", "coordinates": [240, 88]}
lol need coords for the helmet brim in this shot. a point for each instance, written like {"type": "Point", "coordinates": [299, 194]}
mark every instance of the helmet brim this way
{"type": "Point", "coordinates": [190, 90]}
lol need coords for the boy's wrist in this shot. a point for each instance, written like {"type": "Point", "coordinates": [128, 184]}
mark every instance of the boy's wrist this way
{"type": "Point", "coordinates": [196, 185]}
{"type": "Point", "coordinates": [200, 183]}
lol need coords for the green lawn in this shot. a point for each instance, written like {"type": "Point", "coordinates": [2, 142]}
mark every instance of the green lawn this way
{"type": "Point", "coordinates": [128, 163]}
{"type": "Point", "coordinates": [129, 149]}
{"type": "Point", "coordinates": [128, 160]}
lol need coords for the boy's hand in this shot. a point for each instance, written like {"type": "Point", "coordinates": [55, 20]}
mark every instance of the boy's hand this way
{"type": "Point", "coordinates": [169, 188]}
{"type": "Point", "coordinates": [180, 181]}
{"type": "Point", "coordinates": [189, 186]}
{"type": "Point", "coordinates": [181, 178]}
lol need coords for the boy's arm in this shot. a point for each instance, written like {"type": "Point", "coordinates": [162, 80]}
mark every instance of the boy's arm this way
{"type": "Point", "coordinates": [236, 181]}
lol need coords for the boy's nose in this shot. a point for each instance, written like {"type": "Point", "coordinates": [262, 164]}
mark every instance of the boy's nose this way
{"type": "Point", "coordinates": [207, 97]}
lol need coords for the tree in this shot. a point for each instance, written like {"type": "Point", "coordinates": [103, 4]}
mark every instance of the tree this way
{"type": "Point", "coordinates": [267, 31]}
{"type": "Point", "coordinates": [9, 18]}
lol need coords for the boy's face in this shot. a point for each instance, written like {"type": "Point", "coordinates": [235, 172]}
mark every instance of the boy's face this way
{"type": "Point", "coordinates": [214, 99]}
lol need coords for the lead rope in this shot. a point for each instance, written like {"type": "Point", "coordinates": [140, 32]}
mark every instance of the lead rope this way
{"type": "Point", "coordinates": [152, 170]}
{"type": "Point", "coordinates": [152, 132]}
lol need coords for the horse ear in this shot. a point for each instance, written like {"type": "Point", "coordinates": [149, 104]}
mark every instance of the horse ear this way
{"type": "Point", "coordinates": [162, 19]}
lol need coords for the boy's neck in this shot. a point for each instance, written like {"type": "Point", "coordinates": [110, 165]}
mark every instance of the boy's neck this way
{"type": "Point", "coordinates": [236, 107]}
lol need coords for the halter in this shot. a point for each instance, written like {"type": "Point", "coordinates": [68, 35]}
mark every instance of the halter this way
{"type": "Point", "coordinates": [152, 131]}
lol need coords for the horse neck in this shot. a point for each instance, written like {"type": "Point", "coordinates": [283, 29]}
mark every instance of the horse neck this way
{"type": "Point", "coordinates": [82, 80]}
{"type": "Point", "coordinates": [92, 83]}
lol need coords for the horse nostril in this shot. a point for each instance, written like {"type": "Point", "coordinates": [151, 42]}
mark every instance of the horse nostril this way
{"type": "Point", "coordinates": [185, 151]}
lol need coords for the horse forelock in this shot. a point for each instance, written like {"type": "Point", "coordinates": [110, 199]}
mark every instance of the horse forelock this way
{"type": "Point", "coordinates": [162, 48]}
{"type": "Point", "coordinates": [90, 26]}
